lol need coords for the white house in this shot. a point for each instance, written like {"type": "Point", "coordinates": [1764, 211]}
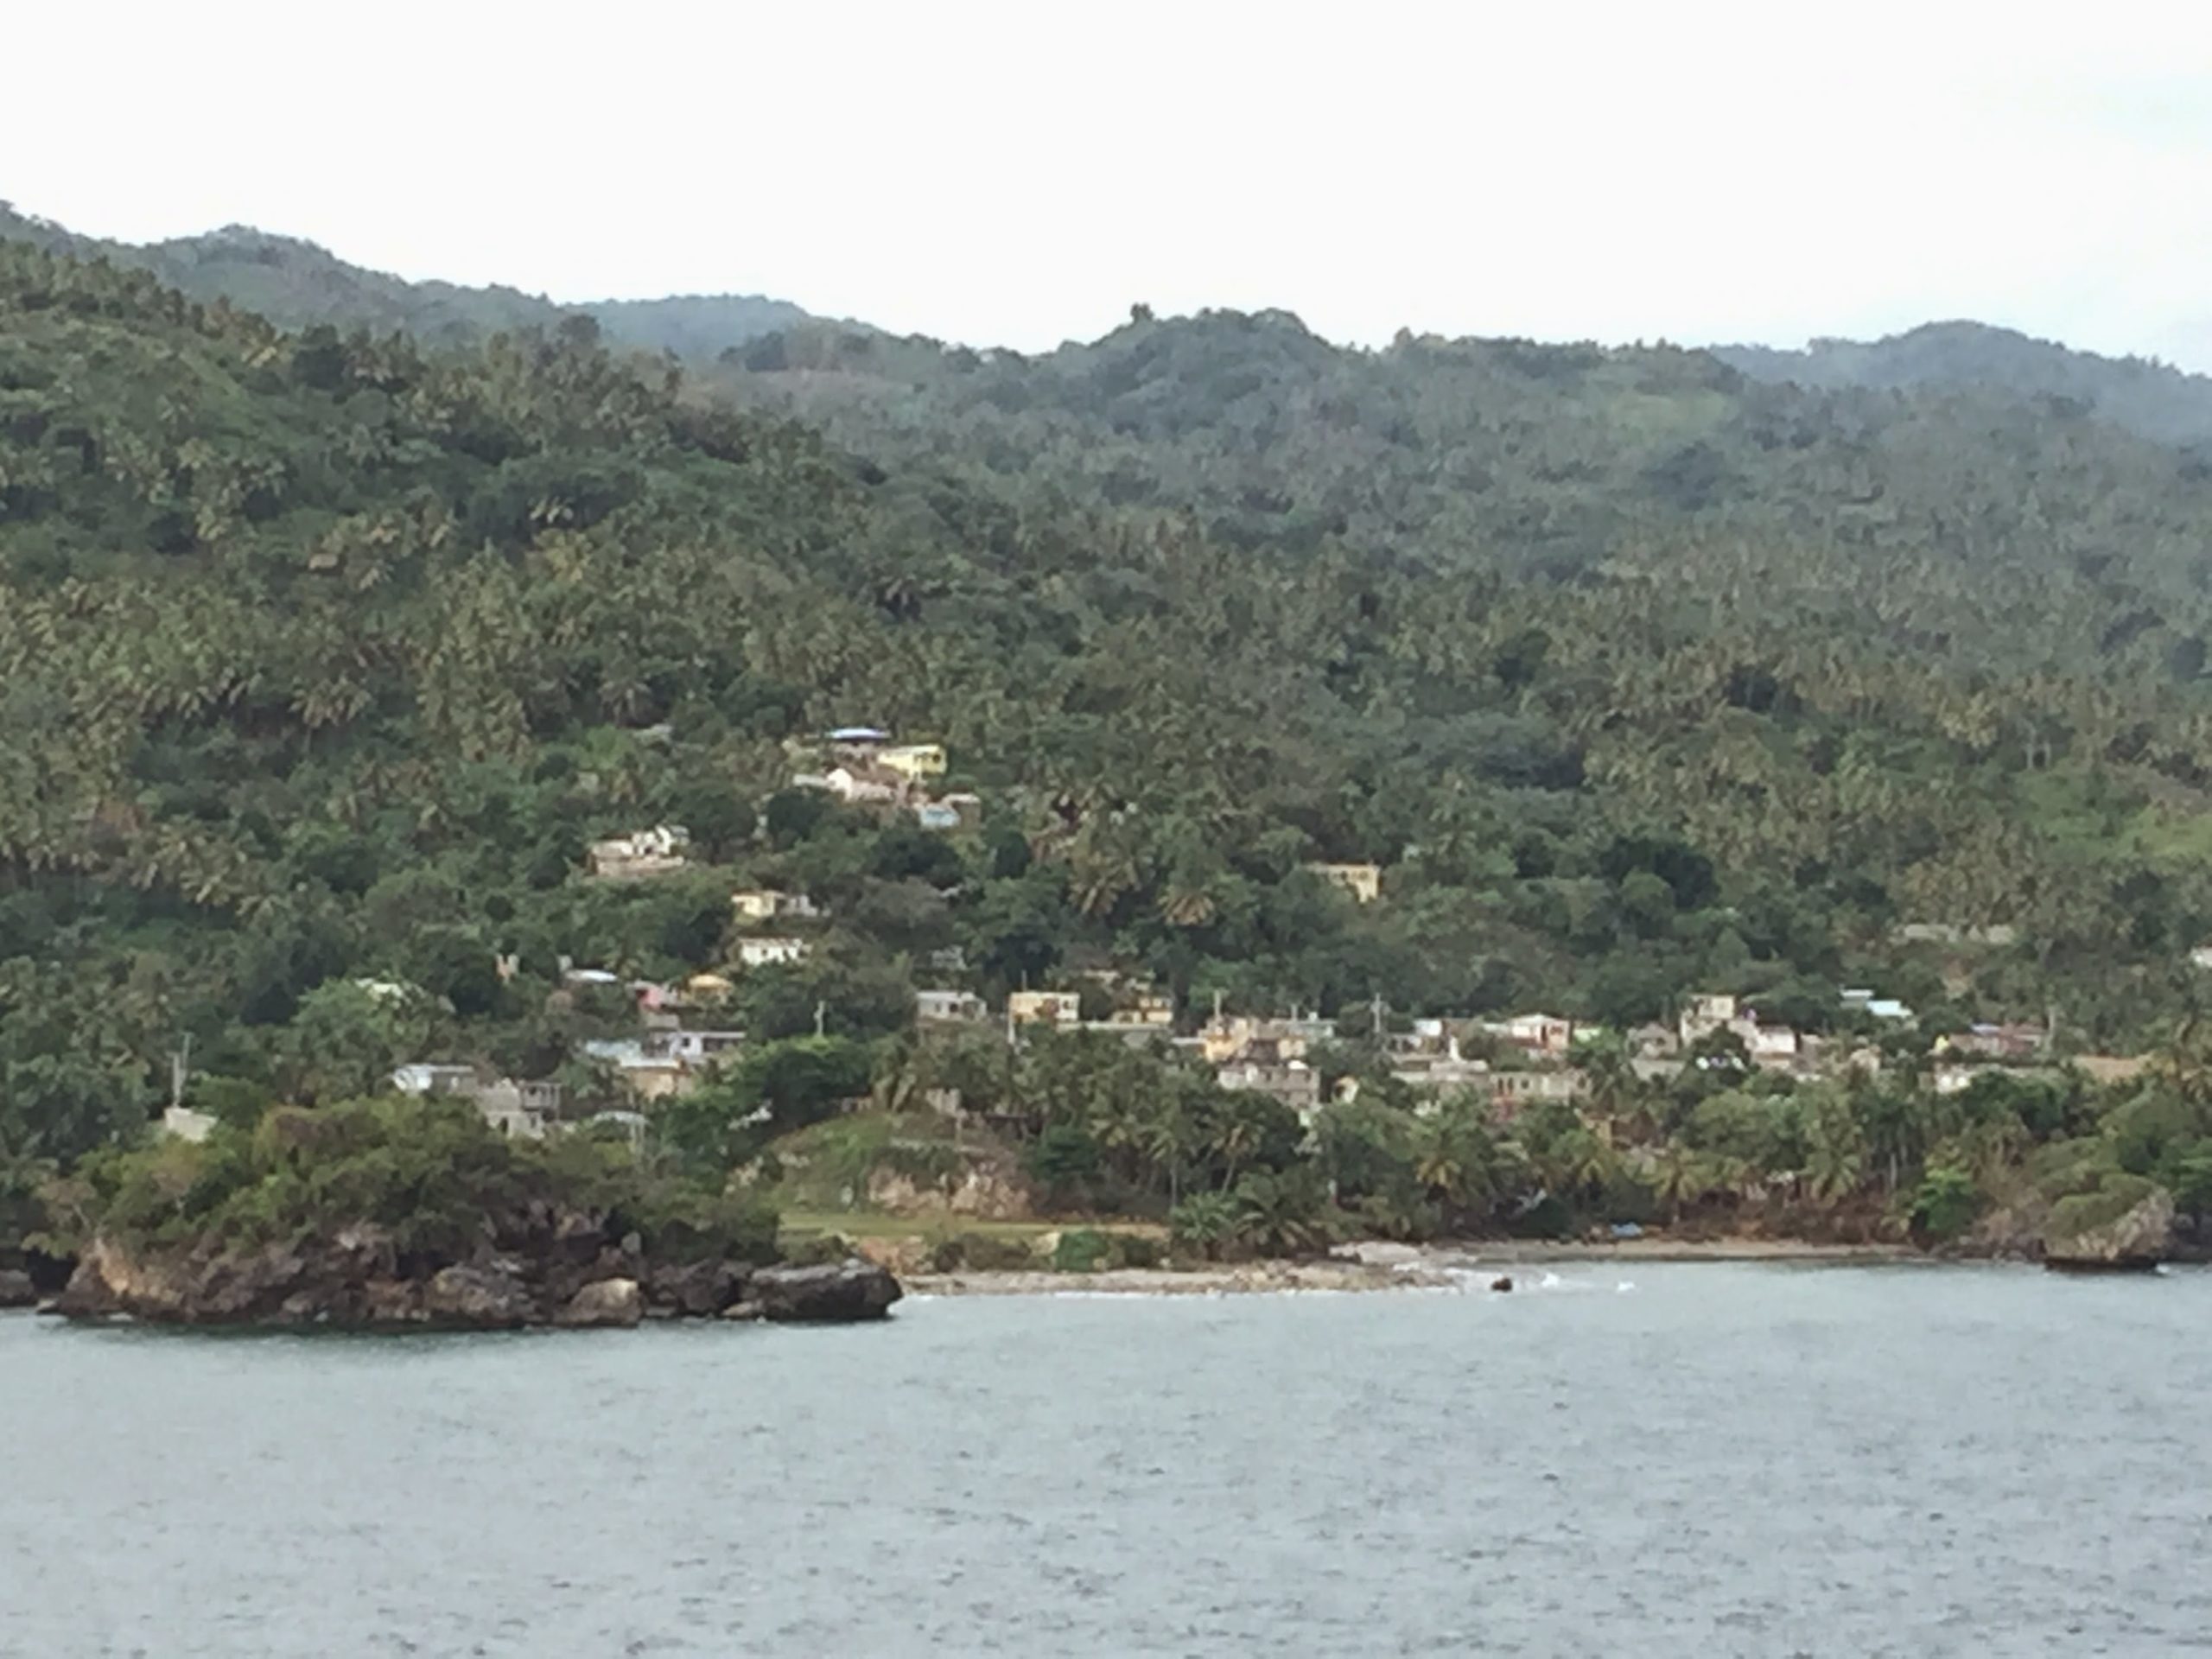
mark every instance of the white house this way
{"type": "Point", "coordinates": [934, 1007]}
{"type": "Point", "coordinates": [771, 950]}
{"type": "Point", "coordinates": [659, 851]}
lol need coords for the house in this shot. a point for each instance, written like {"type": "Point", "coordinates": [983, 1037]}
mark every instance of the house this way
{"type": "Point", "coordinates": [965, 806]}
{"type": "Point", "coordinates": [1654, 1042]}
{"type": "Point", "coordinates": [427, 1078]}
{"type": "Point", "coordinates": [1362, 881]}
{"type": "Point", "coordinates": [1772, 1048]}
{"type": "Point", "coordinates": [767, 905]}
{"type": "Point", "coordinates": [1224, 1039]}
{"type": "Point", "coordinates": [1511, 1090]}
{"type": "Point", "coordinates": [1993, 1042]}
{"type": "Point", "coordinates": [649, 1076]}
{"type": "Point", "coordinates": [771, 950]}
{"type": "Point", "coordinates": [1705, 1014]}
{"type": "Point", "coordinates": [661, 850]}
{"type": "Point", "coordinates": [863, 783]}
{"type": "Point", "coordinates": [858, 737]}
{"type": "Point", "coordinates": [1996, 934]}
{"type": "Point", "coordinates": [1148, 1009]}
{"type": "Point", "coordinates": [694, 1048]}
{"type": "Point", "coordinates": [526, 1110]}
{"type": "Point", "coordinates": [1294, 1083]}
{"type": "Point", "coordinates": [1060, 1009]}
{"type": "Point", "coordinates": [520, 1110]}
{"type": "Point", "coordinates": [937, 1007]}
{"type": "Point", "coordinates": [914, 761]}
{"type": "Point", "coordinates": [1539, 1033]}
{"type": "Point", "coordinates": [936, 815]}
{"type": "Point", "coordinates": [1434, 1072]}
{"type": "Point", "coordinates": [1888, 1007]}
{"type": "Point", "coordinates": [582, 977]}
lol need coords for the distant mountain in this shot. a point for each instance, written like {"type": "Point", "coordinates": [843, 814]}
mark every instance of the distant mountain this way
{"type": "Point", "coordinates": [297, 284]}
{"type": "Point", "coordinates": [2151, 399]}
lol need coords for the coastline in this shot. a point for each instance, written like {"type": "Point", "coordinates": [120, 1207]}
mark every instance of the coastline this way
{"type": "Point", "coordinates": [1381, 1267]}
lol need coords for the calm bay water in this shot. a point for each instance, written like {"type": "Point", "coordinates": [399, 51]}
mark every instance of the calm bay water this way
{"type": "Point", "coordinates": [1725, 1459]}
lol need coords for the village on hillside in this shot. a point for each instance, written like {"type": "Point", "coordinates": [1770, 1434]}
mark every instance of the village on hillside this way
{"type": "Point", "coordinates": [679, 1034]}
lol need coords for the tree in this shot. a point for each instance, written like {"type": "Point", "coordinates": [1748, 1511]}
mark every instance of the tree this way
{"type": "Point", "coordinates": [349, 1038]}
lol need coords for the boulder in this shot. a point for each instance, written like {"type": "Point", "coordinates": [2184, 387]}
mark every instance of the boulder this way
{"type": "Point", "coordinates": [17, 1289]}
{"type": "Point", "coordinates": [695, 1290]}
{"type": "Point", "coordinates": [608, 1302]}
{"type": "Point", "coordinates": [841, 1291]}
{"type": "Point", "coordinates": [2135, 1240]}
{"type": "Point", "coordinates": [485, 1298]}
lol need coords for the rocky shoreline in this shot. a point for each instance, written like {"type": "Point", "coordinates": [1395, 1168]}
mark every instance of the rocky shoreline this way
{"type": "Point", "coordinates": [1378, 1266]}
{"type": "Point", "coordinates": [356, 1281]}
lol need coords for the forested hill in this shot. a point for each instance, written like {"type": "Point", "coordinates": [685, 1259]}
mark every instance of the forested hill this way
{"type": "Point", "coordinates": [297, 284]}
{"type": "Point", "coordinates": [322, 658]}
{"type": "Point", "coordinates": [2154, 400]}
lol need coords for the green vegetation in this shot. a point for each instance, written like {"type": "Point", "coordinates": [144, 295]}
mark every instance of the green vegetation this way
{"type": "Point", "coordinates": [324, 656]}
{"type": "Point", "coordinates": [297, 284]}
{"type": "Point", "coordinates": [429, 1177]}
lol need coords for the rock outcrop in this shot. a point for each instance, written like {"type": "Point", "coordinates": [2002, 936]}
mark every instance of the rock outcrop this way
{"type": "Point", "coordinates": [17, 1289]}
{"type": "Point", "coordinates": [841, 1291]}
{"type": "Point", "coordinates": [609, 1302]}
{"type": "Point", "coordinates": [2135, 1239]}
{"type": "Point", "coordinates": [356, 1279]}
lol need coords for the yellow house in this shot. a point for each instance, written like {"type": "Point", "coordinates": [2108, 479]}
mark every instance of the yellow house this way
{"type": "Point", "coordinates": [914, 761]}
{"type": "Point", "coordinates": [1362, 881]}
{"type": "Point", "coordinates": [1062, 1009]}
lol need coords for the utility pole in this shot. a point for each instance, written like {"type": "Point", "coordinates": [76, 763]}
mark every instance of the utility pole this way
{"type": "Point", "coordinates": [821, 1018]}
{"type": "Point", "coordinates": [179, 1068]}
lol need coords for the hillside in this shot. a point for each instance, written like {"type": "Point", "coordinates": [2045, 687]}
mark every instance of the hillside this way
{"type": "Point", "coordinates": [324, 660]}
{"type": "Point", "coordinates": [297, 284]}
{"type": "Point", "coordinates": [2152, 400]}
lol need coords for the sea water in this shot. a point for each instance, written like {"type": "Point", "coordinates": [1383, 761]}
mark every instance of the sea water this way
{"type": "Point", "coordinates": [1763, 1460]}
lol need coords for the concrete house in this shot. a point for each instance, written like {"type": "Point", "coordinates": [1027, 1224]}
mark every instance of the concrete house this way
{"type": "Point", "coordinates": [937, 1007]}
{"type": "Point", "coordinates": [767, 905]}
{"type": "Point", "coordinates": [1539, 1033]}
{"type": "Point", "coordinates": [661, 850]}
{"type": "Point", "coordinates": [1060, 1009]}
{"type": "Point", "coordinates": [864, 784]}
{"type": "Point", "coordinates": [1294, 1083]}
{"type": "Point", "coordinates": [915, 762]}
{"type": "Point", "coordinates": [771, 950]}
{"type": "Point", "coordinates": [1705, 1014]}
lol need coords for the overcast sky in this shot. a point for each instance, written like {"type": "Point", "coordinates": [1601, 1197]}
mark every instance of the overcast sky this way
{"type": "Point", "coordinates": [1020, 174]}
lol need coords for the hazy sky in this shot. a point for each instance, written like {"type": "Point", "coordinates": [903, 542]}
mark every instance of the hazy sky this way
{"type": "Point", "coordinates": [1018, 173]}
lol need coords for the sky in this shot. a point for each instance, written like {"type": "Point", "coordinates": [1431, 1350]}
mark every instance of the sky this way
{"type": "Point", "coordinates": [1021, 173]}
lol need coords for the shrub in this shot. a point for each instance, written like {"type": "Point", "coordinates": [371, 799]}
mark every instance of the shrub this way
{"type": "Point", "coordinates": [982, 1253]}
{"type": "Point", "coordinates": [818, 1249]}
{"type": "Point", "coordinates": [1137, 1250]}
{"type": "Point", "coordinates": [1082, 1249]}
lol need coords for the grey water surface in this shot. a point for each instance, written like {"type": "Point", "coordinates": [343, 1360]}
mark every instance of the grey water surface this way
{"type": "Point", "coordinates": [1723, 1460]}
